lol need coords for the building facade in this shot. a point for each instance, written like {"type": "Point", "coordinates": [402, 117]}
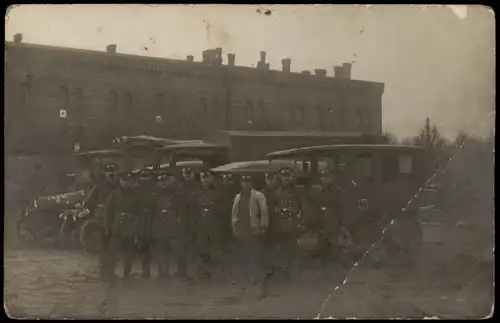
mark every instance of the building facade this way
{"type": "Point", "coordinates": [61, 99]}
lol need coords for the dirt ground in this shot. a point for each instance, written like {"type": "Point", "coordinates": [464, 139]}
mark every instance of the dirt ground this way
{"type": "Point", "coordinates": [453, 278]}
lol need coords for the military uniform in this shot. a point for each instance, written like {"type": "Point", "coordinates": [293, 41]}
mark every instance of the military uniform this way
{"type": "Point", "coordinates": [206, 227]}
{"type": "Point", "coordinates": [167, 228]}
{"type": "Point", "coordinates": [327, 203]}
{"type": "Point", "coordinates": [95, 202]}
{"type": "Point", "coordinates": [125, 224]}
{"type": "Point", "coordinates": [189, 189]}
{"type": "Point", "coordinates": [147, 192]}
{"type": "Point", "coordinates": [290, 214]}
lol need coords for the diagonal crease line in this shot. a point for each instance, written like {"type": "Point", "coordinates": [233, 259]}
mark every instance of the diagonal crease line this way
{"type": "Point", "coordinates": [413, 198]}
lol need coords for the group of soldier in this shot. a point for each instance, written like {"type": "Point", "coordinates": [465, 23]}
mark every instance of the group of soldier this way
{"type": "Point", "coordinates": [253, 234]}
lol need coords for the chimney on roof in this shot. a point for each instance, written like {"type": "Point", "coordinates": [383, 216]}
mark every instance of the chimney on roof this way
{"type": "Point", "coordinates": [346, 67]}
{"type": "Point", "coordinates": [218, 56]}
{"type": "Point", "coordinates": [338, 72]}
{"type": "Point", "coordinates": [230, 59]}
{"type": "Point", "coordinates": [262, 63]}
{"type": "Point", "coordinates": [204, 56]}
{"type": "Point", "coordinates": [306, 72]}
{"type": "Point", "coordinates": [320, 72]}
{"type": "Point", "coordinates": [286, 63]}
{"type": "Point", "coordinates": [111, 49]}
{"type": "Point", "coordinates": [18, 38]}
{"type": "Point", "coordinates": [190, 58]}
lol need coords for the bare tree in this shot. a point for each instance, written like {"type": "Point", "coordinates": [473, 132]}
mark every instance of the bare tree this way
{"type": "Point", "coordinates": [430, 138]}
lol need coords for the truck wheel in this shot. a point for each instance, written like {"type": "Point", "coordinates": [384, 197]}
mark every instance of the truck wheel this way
{"type": "Point", "coordinates": [90, 235]}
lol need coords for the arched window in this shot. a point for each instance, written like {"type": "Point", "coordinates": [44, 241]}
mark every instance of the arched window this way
{"type": "Point", "coordinates": [289, 113]}
{"type": "Point", "coordinates": [203, 109]}
{"type": "Point", "coordinates": [299, 114]}
{"type": "Point", "coordinates": [128, 103]}
{"type": "Point", "coordinates": [64, 96]}
{"type": "Point", "coordinates": [358, 118]}
{"type": "Point", "coordinates": [160, 104]}
{"type": "Point", "coordinates": [262, 109]}
{"type": "Point", "coordinates": [249, 112]}
{"type": "Point", "coordinates": [320, 111]}
{"type": "Point", "coordinates": [80, 101]}
{"type": "Point", "coordinates": [215, 109]}
{"type": "Point", "coordinates": [113, 102]}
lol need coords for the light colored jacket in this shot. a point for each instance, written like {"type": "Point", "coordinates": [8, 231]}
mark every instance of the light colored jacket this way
{"type": "Point", "coordinates": [259, 215]}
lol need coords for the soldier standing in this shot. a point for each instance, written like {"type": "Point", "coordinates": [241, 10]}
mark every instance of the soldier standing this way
{"type": "Point", "coordinates": [189, 188]}
{"type": "Point", "coordinates": [206, 225]}
{"type": "Point", "coordinates": [95, 203]}
{"type": "Point", "coordinates": [167, 226]}
{"type": "Point", "coordinates": [328, 214]}
{"type": "Point", "coordinates": [269, 191]}
{"type": "Point", "coordinates": [291, 212]}
{"type": "Point", "coordinates": [99, 193]}
{"type": "Point", "coordinates": [124, 225]}
{"type": "Point", "coordinates": [147, 191]}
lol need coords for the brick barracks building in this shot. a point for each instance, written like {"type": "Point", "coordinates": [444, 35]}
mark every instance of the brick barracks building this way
{"type": "Point", "coordinates": [58, 97]}
{"type": "Point", "coordinates": [58, 100]}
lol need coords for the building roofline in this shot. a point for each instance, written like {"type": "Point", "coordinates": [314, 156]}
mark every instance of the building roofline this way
{"type": "Point", "coordinates": [181, 61]}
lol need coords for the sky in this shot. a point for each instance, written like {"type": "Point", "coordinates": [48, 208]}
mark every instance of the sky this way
{"type": "Point", "coordinates": [435, 61]}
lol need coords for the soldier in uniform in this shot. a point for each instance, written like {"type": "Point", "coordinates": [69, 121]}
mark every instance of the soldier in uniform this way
{"type": "Point", "coordinates": [167, 226]}
{"type": "Point", "coordinates": [99, 193]}
{"type": "Point", "coordinates": [328, 214]}
{"type": "Point", "coordinates": [124, 224]}
{"type": "Point", "coordinates": [269, 191]}
{"type": "Point", "coordinates": [95, 202]}
{"type": "Point", "coordinates": [272, 182]}
{"type": "Point", "coordinates": [147, 191]}
{"type": "Point", "coordinates": [291, 212]}
{"type": "Point", "coordinates": [189, 188]}
{"type": "Point", "coordinates": [206, 225]}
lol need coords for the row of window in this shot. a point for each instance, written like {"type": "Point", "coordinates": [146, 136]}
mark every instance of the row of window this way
{"type": "Point", "coordinates": [208, 109]}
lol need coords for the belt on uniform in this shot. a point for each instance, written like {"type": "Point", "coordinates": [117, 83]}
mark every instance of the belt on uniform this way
{"type": "Point", "coordinates": [206, 212]}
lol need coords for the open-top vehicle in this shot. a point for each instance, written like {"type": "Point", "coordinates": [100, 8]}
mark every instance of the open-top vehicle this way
{"type": "Point", "coordinates": [377, 182]}
{"type": "Point", "coordinates": [46, 219]}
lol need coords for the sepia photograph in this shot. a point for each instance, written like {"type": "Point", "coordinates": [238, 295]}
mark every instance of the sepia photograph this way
{"type": "Point", "coordinates": [168, 161]}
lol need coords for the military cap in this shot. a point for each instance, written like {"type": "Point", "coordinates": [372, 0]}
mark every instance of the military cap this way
{"type": "Point", "coordinates": [110, 168]}
{"type": "Point", "coordinates": [287, 171]}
